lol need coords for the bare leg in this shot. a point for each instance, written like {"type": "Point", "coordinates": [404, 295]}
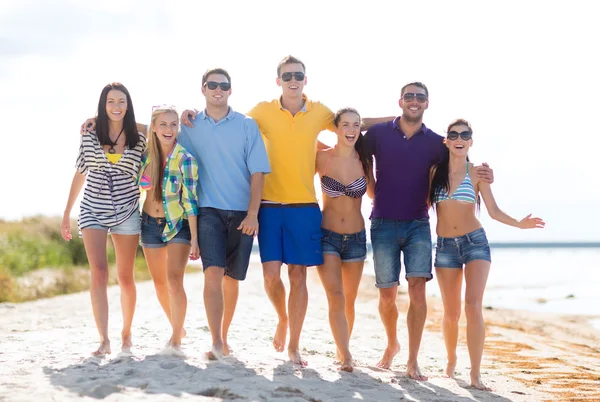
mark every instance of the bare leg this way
{"type": "Point", "coordinates": [297, 305]}
{"type": "Point", "coordinates": [415, 321]}
{"type": "Point", "coordinates": [450, 281]}
{"type": "Point", "coordinates": [156, 260]}
{"type": "Point", "coordinates": [389, 316]}
{"type": "Point", "coordinates": [125, 250]}
{"type": "Point", "coordinates": [94, 241]}
{"type": "Point", "coordinates": [214, 305]}
{"type": "Point", "coordinates": [177, 259]}
{"type": "Point", "coordinates": [331, 278]}
{"type": "Point", "coordinates": [276, 292]}
{"type": "Point", "coordinates": [476, 274]}
{"type": "Point", "coordinates": [351, 276]}
{"type": "Point", "coordinates": [230, 291]}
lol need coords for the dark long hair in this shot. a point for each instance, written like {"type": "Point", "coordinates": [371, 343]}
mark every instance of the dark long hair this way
{"type": "Point", "coordinates": [129, 127]}
{"type": "Point", "coordinates": [360, 145]}
{"type": "Point", "coordinates": [441, 178]}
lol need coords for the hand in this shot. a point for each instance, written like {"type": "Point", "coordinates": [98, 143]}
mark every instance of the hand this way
{"type": "Point", "coordinates": [187, 116]}
{"type": "Point", "coordinates": [484, 172]}
{"type": "Point", "coordinates": [249, 225]}
{"type": "Point", "coordinates": [88, 126]}
{"type": "Point", "coordinates": [195, 251]}
{"type": "Point", "coordinates": [531, 223]}
{"type": "Point", "coordinates": [65, 228]}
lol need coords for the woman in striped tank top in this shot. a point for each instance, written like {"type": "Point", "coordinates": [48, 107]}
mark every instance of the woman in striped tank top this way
{"type": "Point", "coordinates": [462, 243]}
{"type": "Point", "coordinates": [109, 162]}
{"type": "Point", "coordinates": [344, 171]}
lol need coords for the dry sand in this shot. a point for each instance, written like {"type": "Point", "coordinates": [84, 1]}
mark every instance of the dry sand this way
{"type": "Point", "coordinates": [45, 346]}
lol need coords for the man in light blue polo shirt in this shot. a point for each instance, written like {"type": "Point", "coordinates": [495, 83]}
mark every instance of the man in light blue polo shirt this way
{"type": "Point", "coordinates": [232, 162]}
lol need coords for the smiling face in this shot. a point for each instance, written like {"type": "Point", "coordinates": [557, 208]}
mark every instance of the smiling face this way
{"type": "Point", "coordinates": [216, 97]}
{"type": "Point", "coordinates": [166, 126]}
{"type": "Point", "coordinates": [293, 87]}
{"type": "Point", "coordinates": [116, 105]}
{"type": "Point", "coordinates": [348, 129]}
{"type": "Point", "coordinates": [459, 146]}
{"type": "Point", "coordinates": [413, 109]}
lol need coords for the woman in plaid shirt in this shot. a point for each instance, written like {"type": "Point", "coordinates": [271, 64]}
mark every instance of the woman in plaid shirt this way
{"type": "Point", "coordinates": [169, 217]}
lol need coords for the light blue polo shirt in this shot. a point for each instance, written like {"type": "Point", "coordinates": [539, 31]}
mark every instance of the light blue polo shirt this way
{"type": "Point", "coordinates": [228, 152]}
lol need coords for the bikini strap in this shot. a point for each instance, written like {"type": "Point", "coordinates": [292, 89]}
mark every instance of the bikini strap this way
{"type": "Point", "coordinates": [327, 163]}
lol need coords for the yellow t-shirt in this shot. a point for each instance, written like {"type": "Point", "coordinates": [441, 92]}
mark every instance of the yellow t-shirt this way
{"type": "Point", "coordinates": [291, 143]}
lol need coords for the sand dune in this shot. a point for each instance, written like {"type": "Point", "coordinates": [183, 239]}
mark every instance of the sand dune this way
{"type": "Point", "coordinates": [45, 346]}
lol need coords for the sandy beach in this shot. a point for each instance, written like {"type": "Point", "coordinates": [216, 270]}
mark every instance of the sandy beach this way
{"type": "Point", "coordinates": [45, 354]}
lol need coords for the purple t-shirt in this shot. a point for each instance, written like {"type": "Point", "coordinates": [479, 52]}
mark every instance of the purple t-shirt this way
{"type": "Point", "coordinates": [402, 169]}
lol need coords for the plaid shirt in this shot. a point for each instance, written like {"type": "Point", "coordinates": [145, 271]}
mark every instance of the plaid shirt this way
{"type": "Point", "coordinates": [179, 189]}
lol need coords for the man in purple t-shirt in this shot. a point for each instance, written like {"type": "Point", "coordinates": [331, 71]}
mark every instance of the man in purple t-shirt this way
{"type": "Point", "coordinates": [404, 150]}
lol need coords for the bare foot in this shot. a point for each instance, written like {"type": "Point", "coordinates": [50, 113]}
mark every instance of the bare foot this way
{"type": "Point", "coordinates": [171, 350]}
{"type": "Point", "coordinates": [450, 369]}
{"type": "Point", "coordinates": [280, 335]}
{"type": "Point", "coordinates": [346, 364]}
{"type": "Point", "coordinates": [295, 357]}
{"type": "Point", "coordinates": [226, 349]}
{"type": "Point", "coordinates": [413, 371]}
{"type": "Point", "coordinates": [103, 349]}
{"type": "Point", "coordinates": [215, 353]}
{"type": "Point", "coordinates": [477, 383]}
{"type": "Point", "coordinates": [388, 356]}
{"type": "Point", "coordinates": [126, 343]}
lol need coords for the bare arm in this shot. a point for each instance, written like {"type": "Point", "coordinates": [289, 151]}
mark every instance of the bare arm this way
{"type": "Point", "coordinates": [497, 214]}
{"type": "Point", "coordinates": [249, 225]}
{"type": "Point", "coordinates": [368, 122]}
{"type": "Point", "coordinates": [76, 185]}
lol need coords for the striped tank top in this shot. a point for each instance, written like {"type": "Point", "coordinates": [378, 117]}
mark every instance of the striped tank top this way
{"type": "Point", "coordinates": [464, 192]}
{"type": "Point", "coordinates": [111, 193]}
{"type": "Point", "coordinates": [333, 188]}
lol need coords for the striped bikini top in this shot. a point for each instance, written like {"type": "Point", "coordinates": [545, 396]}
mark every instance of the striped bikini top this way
{"type": "Point", "coordinates": [465, 191]}
{"type": "Point", "coordinates": [333, 188]}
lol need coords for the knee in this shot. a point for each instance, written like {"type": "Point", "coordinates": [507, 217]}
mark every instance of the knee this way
{"type": "Point", "coordinates": [473, 307]}
{"type": "Point", "coordinates": [297, 277]}
{"type": "Point", "coordinates": [452, 316]}
{"type": "Point", "coordinates": [387, 297]}
{"type": "Point", "coordinates": [336, 300]}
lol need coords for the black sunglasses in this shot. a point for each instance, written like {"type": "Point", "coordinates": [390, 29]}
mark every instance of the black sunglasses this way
{"type": "Point", "coordinates": [408, 97]}
{"type": "Point", "coordinates": [212, 85]}
{"type": "Point", "coordinates": [465, 135]}
{"type": "Point", "coordinates": [298, 75]}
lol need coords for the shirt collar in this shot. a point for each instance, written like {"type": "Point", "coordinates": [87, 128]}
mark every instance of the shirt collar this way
{"type": "Point", "coordinates": [305, 108]}
{"type": "Point", "coordinates": [396, 126]}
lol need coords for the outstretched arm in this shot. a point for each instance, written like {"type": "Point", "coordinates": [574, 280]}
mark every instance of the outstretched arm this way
{"type": "Point", "coordinates": [497, 214]}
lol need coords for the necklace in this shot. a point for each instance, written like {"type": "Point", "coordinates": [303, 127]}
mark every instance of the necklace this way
{"type": "Point", "coordinates": [111, 150]}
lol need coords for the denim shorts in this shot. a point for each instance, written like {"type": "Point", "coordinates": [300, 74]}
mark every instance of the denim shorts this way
{"type": "Point", "coordinates": [222, 244]}
{"type": "Point", "coordinates": [130, 226]}
{"type": "Point", "coordinates": [454, 252]}
{"type": "Point", "coordinates": [349, 247]}
{"type": "Point", "coordinates": [290, 233]}
{"type": "Point", "coordinates": [152, 230]}
{"type": "Point", "coordinates": [389, 238]}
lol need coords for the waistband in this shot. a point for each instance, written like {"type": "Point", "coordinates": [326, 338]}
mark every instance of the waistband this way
{"type": "Point", "coordinates": [151, 219]}
{"type": "Point", "coordinates": [279, 205]}
{"type": "Point", "coordinates": [344, 236]}
{"type": "Point", "coordinates": [468, 237]}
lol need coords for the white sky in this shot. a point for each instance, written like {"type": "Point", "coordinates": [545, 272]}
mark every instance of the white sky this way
{"type": "Point", "coordinates": [526, 74]}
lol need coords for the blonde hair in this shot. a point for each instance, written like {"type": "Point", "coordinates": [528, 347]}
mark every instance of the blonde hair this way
{"type": "Point", "coordinates": [157, 168]}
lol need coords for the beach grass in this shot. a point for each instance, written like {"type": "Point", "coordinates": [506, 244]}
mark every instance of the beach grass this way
{"type": "Point", "coordinates": [35, 261]}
